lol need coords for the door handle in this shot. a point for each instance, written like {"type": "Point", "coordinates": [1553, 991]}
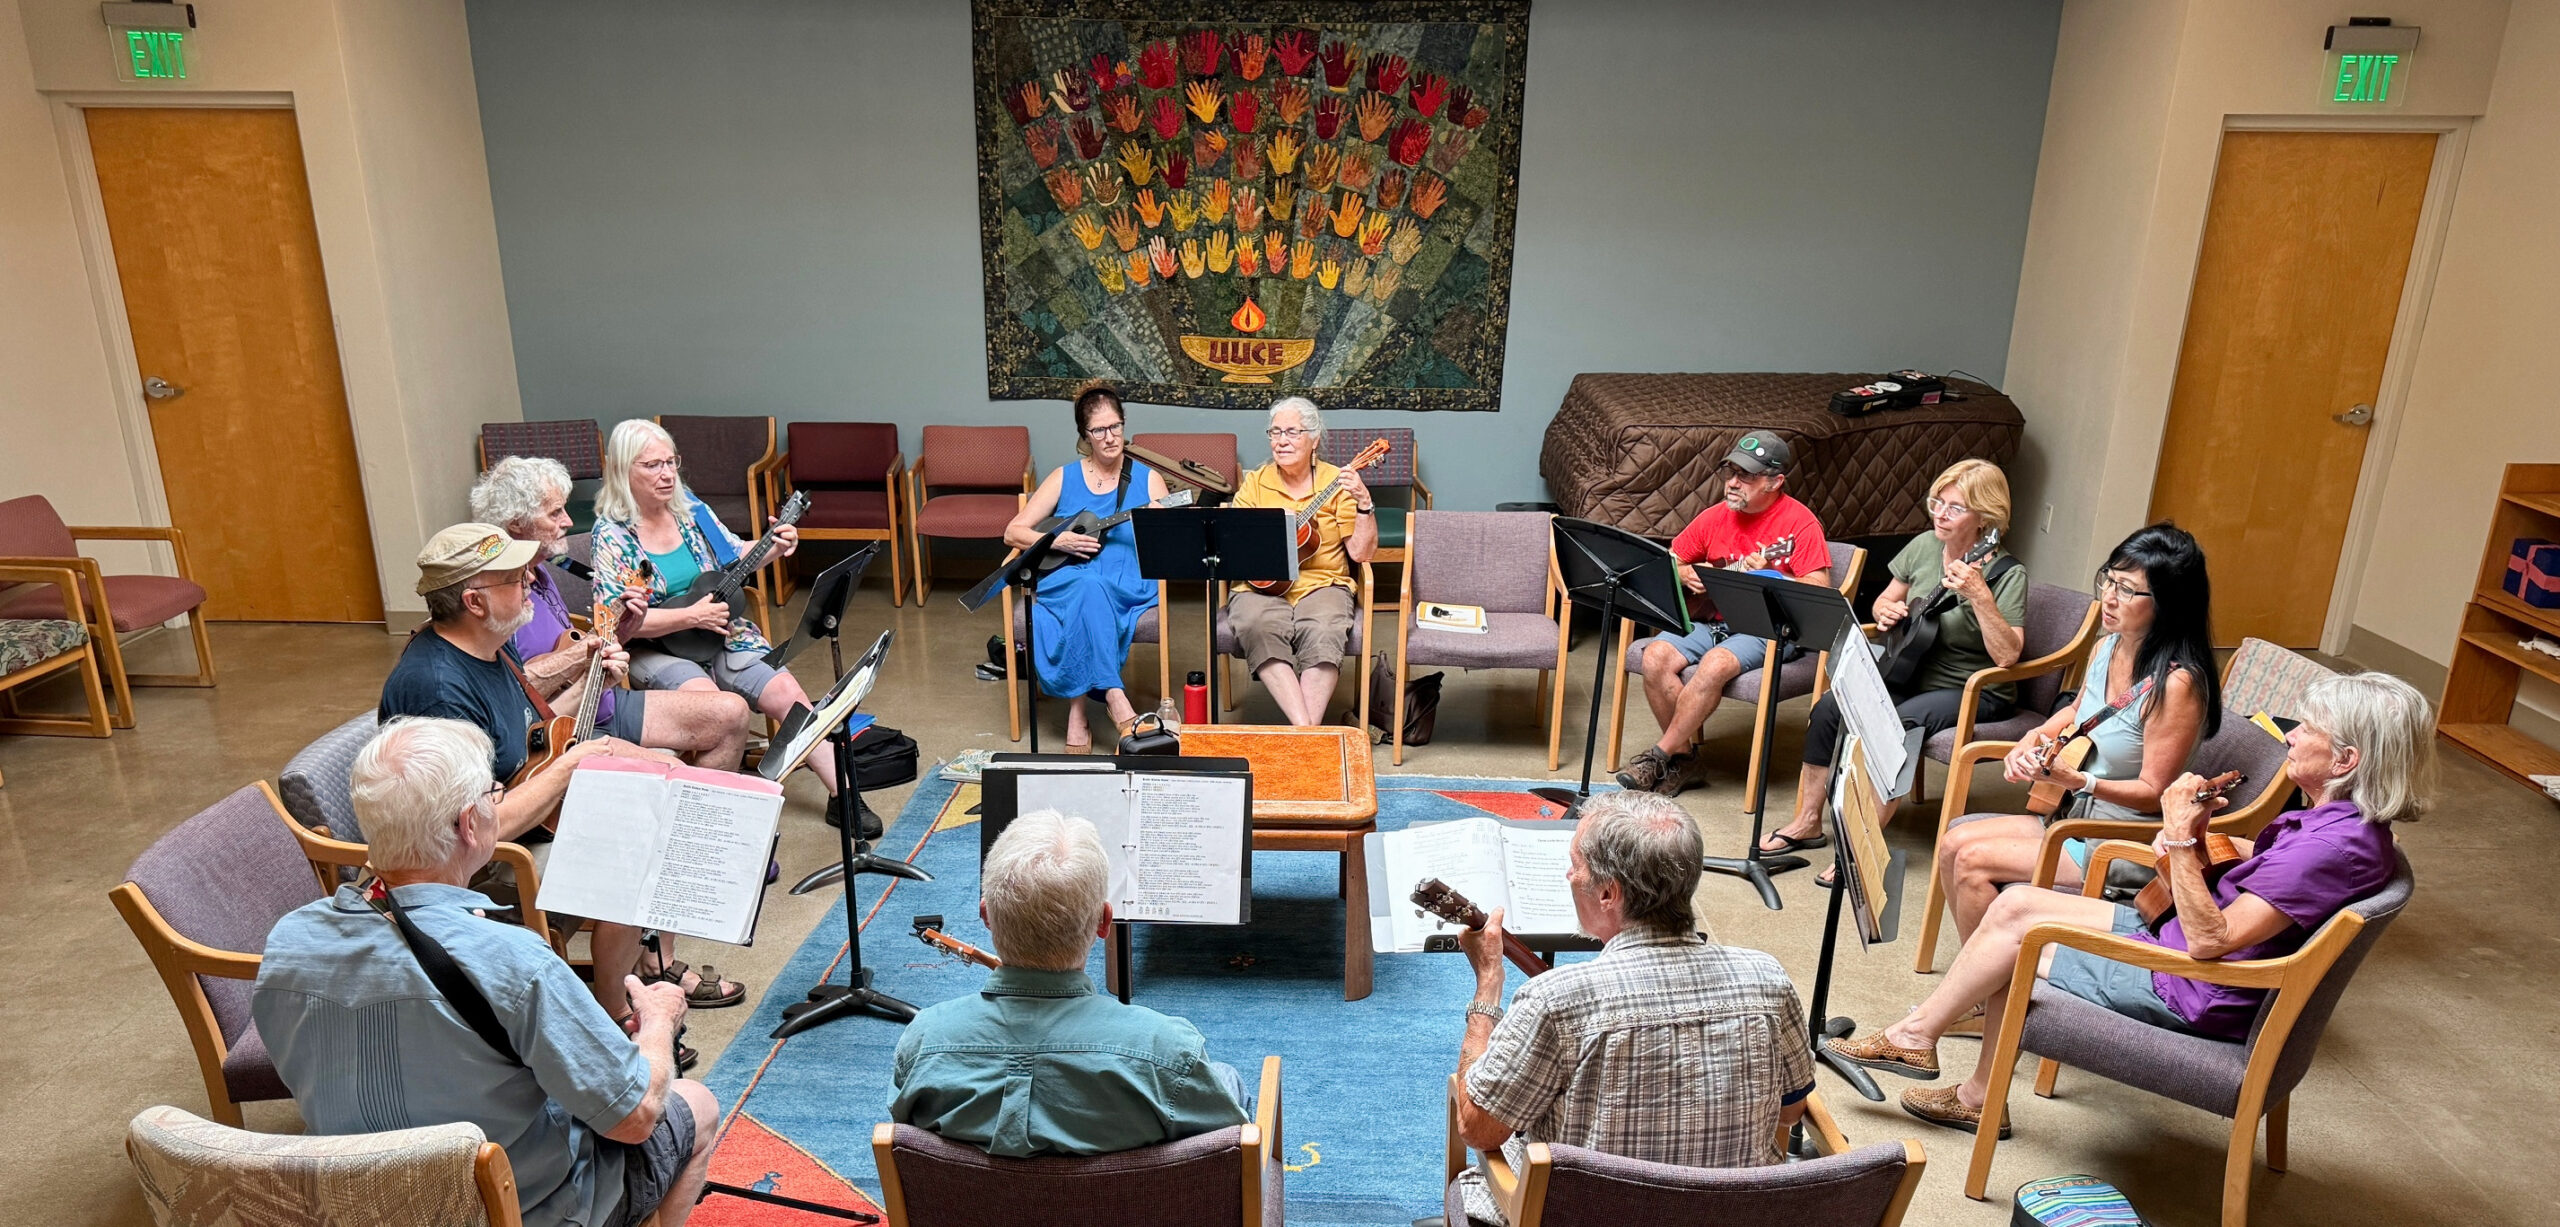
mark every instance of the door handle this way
{"type": "Point", "coordinates": [161, 389]}
{"type": "Point", "coordinates": [2361, 415]}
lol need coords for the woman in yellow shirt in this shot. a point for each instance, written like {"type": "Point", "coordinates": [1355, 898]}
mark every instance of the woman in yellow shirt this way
{"type": "Point", "coordinates": [1295, 641]}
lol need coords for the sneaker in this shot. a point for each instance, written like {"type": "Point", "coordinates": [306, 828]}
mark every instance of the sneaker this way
{"type": "Point", "coordinates": [1647, 772]}
{"type": "Point", "coordinates": [1682, 772]}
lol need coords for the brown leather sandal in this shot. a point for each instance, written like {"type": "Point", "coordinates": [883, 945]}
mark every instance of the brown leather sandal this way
{"type": "Point", "coordinates": [710, 992]}
{"type": "Point", "coordinates": [1938, 1105]}
{"type": "Point", "coordinates": [1877, 1052]}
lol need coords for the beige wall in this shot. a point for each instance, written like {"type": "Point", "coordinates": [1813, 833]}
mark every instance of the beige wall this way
{"type": "Point", "coordinates": [2142, 92]}
{"type": "Point", "coordinates": [384, 98]}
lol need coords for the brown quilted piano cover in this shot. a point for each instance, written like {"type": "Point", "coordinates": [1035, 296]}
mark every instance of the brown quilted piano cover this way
{"type": "Point", "coordinates": [1638, 451]}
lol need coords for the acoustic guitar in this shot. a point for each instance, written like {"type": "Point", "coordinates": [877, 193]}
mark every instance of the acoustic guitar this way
{"type": "Point", "coordinates": [2155, 902]}
{"type": "Point", "coordinates": [1093, 525]}
{"type": "Point", "coordinates": [1302, 522]}
{"type": "Point", "coordinates": [1912, 639]}
{"type": "Point", "coordinates": [2070, 750]}
{"type": "Point", "coordinates": [1438, 898]}
{"type": "Point", "coordinates": [928, 929]}
{"type": "Point", "coordinates": [725, 585]}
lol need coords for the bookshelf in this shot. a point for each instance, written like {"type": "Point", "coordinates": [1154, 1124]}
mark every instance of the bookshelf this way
{"type": "Point", "coordinates": [2477, 710]}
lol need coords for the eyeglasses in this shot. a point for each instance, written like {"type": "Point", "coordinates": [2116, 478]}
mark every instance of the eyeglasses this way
{"type": "Point", "coordinates": [669, 465]}
{"type": "Point", "coordinates": [2123, 589]}
{"type": "Point", "coordinates": [497, 791]}
{"type": "Point", "coordinates": [1947, 507]}
{"type": "Point", "coordinates": [1284, 433]}
{"type": "Point", "coordinates": [519, 581]}
{"type": "Point", "coordinates": [1105, 432]}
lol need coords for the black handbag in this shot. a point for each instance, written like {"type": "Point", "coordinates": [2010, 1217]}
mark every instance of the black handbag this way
{"type": "Point", "coordinates": [883, 757]}
{"type": "Point", "coordinates": [1148, 735]}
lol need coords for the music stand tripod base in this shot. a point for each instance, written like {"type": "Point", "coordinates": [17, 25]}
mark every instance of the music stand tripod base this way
{"type": "Point", "coordinates": [1756, 870]}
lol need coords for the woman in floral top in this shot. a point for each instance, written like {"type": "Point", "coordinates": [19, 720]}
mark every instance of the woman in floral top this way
{"type": "Point", "coordinates": [644, 514]}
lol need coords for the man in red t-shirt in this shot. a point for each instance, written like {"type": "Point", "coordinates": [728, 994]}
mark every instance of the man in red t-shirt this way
{"type": "Point", "coordinates": [1739, 534]}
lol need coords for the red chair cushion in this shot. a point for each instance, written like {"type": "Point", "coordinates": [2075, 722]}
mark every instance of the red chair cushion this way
{"type": "Point", "coordinates": [849, 509]}
{"type": "Point", "coordinates": [965, 515]}
{"type": "Point", "coordinates": [138, 600]}
{"type": "Point", "coordinates": [981, 456]}
{"type": "Point", "coordinates": [30, 528]}
{"type": "Point", "coordinates": [717, 451]}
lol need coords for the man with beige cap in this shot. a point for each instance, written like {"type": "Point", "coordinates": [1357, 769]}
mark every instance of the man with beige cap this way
{"type": "Point", "coordinates": [461, 666]}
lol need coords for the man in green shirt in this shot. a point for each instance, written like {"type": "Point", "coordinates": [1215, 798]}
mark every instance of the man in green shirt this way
{"type": "Point", "coordinates": [1037, 1062]}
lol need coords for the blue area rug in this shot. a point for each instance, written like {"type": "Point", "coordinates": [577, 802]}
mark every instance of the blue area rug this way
{"type": "Point", "coordinates": [1363, 1082]}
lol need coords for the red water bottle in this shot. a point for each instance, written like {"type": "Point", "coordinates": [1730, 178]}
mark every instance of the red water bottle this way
{"type": "Point", "coordinates": [1195, 698]}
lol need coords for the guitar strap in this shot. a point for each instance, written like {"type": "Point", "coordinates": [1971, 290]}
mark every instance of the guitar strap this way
{"type": "Point", "coordinates": [540, 707]}
{"type": "Point", "coordinates": [713, 536]}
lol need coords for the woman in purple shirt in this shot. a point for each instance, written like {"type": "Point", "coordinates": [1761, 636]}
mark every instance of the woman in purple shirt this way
{"type": "Point", "coordinates": [2363, 753]}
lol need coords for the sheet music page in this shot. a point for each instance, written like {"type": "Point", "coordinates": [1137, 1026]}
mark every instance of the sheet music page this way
{"type": "Point", "coordinates": [1866, 705]}
{"type": "Point", "coordinates": [710, 871]}
{"type": "Point", "coordinates": [611, 826]}
{"type": "Point", "coordinates": [1535, 862]}
{"type": "Point", "coordinates": [1099, 797]}
{"type": "Point", "coordinates": [1189, 862]}
{"type": "Point", "coordinates": [1465, 854]}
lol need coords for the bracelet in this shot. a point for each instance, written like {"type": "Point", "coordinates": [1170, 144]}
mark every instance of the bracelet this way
{"type": "Point", "coordinates": [1493, 1012]}
{"type": "Point", "coordinates": [2178, 843]}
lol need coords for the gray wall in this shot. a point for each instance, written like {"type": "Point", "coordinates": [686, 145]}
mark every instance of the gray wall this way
{"type": "Point", "coordinates": [769, 206]}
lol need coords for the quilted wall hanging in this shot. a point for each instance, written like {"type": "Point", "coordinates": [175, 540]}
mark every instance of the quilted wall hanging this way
{"type": "Point", "coordinates": [1218, 204]}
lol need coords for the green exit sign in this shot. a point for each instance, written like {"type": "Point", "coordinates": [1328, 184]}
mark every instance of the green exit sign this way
{"type": "Point", "coordinates": [2364, 78]}
{"type": "Point", "coordinates": [158, 55]}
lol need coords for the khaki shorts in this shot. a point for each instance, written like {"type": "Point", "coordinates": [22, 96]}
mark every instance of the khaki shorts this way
{"type": "Point", "coordinates": [1315, 631]}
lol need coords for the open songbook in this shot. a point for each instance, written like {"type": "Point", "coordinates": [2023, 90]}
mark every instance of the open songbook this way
{"type": "Point", "coordinates": [1516, 866]}
{"type": "Point", "coordinates": [681, 849]}
{"type": "Point", "coordinates": [1179, 842]}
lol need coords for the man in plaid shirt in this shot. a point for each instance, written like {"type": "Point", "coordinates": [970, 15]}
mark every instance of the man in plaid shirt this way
{"type": "Point", "coordinates": [1668, 1047]}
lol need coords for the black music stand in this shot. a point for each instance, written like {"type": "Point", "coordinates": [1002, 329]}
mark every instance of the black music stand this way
{"type": "Point", "coordinates": [1789, 612]}
{"type": "Point", "coordinates": [823, 616]}
{"type": "Point", "coordinates": [1621, 575]}
{"type": "Point", "coordinates": [829, 1002]}
{"type": "Point", "coordinates": [1212, 544]}
{"type": "Point", "coordinates": [1849, 874]}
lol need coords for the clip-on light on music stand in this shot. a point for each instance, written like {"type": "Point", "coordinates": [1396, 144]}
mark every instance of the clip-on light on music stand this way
{"type": "Point", "coordinates": [1621, 575]}
{"type": "Point", "coordinates": [1211, 544]}
{"type": "Point", "coordinates": [1788, 611]}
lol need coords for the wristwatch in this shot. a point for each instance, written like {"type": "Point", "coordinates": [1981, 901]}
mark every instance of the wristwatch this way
{"type": "Point", "coordinates": [1493, 1012]}
{"type": "Point", "coordinates": [1371, 509]}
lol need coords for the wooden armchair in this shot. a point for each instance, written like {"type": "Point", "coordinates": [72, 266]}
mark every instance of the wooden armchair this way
{"type": "Point", "coordinates": [31, 534]}
{"type": "Point", "coordinates": [927, 1181]}
{"type": "Point", "coordinates": [1505, 563]}
{"type": "Point", "coordinates": [839, 464]}
{"type": "Point", "coordinates": [2244, 1081]}
{"type": "Point", "coordinates": [1568, 1186]}
{"type": "Point", "coordinates": [33, 649]}
{"type": "Point", "coordinates": [990, 465]}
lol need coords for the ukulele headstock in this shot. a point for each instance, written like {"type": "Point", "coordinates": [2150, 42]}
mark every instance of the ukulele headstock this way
{"type": "Point", "coordinates": [2214, 789]}
{"type": "Point", "coordinates": [1372, 454]}
{"type": "Point", "coordinates": [1440, 899]}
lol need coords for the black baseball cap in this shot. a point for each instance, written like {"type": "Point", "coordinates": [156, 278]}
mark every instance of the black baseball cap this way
{"type": "Point", "coordinates": [1760, 452]}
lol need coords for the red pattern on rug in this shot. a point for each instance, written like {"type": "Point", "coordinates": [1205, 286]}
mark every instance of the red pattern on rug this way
{"type": "Point", "coordinates": [1507, 804]}
{"type": "Point", "coordinates": [752, 1156]}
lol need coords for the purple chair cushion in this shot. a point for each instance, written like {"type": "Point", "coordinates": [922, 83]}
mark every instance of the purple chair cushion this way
{"type": "Point", "coordinates": [137, 600]}
{"type": "Point", "coordinates": [843, 452]}
{"type": "Point", "coordinates": [852, 509]}
{"type": "Point", "coordinates": [1604, 1190]}
{"type": "Point", "coordinates": [1510, 641]}
{"type": "Point", "coordinates": [1496, 559]}
{"type": "Point", "coordinates": [249, 1073]}
{"type": "Point", "coordinates": [223, 878]}
{"type": "Point", "coordinates": [1190, 1183]}
{"type": "Point", "coordinates": [718, 450]}
{"type": "Point", "coordinates": [966, 515]}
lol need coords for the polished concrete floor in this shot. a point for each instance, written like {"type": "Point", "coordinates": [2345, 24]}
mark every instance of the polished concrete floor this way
{"type": "Point", "coordinates": [2426, 1104]}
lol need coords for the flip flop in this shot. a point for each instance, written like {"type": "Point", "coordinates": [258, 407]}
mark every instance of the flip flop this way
{"type": "Point", "coordinates": [1793, 844]}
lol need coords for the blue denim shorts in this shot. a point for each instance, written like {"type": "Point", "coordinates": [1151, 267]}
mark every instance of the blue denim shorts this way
{"type": "Point", "coordinates": [2121, 987]}
{"type": "Point", "coordinates": [1751, 650]}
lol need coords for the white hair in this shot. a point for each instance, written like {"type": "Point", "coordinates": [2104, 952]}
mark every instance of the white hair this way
{"type": "Point", "coordinates": [409, 784]}
{"type": "Point", "coordinates": [1044, 885]}
{"type": "Point", "coordinates": [511, 494]}
{"type": "Point", "coordinates": [631, 437]}
{"type": "Point", "coordinates": [1310, 419]}
{"type": "Point", "coordinates": [2392, 729]}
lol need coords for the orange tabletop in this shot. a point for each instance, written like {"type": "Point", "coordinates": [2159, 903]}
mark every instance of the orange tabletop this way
{"type": "Point", "coordinates": [1302, 777]}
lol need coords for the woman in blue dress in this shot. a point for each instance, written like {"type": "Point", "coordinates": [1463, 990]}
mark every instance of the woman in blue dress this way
{"type": "Point", "coordinates": [1089, 609]}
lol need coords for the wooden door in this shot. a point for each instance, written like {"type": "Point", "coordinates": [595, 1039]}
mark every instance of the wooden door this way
{"type": "Point", "coordinates": [210, 216]}
{"type": "Point", "coordinates": [2306, 245]}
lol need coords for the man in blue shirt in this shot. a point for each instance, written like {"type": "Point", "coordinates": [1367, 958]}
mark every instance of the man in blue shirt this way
{"type": "Point", "coordinates": [597, 1126]}
{"type": "Point", "coordinates": [1037, 1063]}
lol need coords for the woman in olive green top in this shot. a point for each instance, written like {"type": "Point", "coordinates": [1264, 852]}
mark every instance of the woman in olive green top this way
{"type": "Point", "coordinates": [1979, 631]}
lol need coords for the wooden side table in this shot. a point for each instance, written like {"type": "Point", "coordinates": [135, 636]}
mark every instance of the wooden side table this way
{"type": "Point", "coordinates": [1314, 790]}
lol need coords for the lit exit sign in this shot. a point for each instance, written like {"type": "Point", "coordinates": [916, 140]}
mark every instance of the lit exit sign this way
{"type": "Point", "coordinates": [157, 55]}
{"type": "Point", "coordinates": [2364, 78]}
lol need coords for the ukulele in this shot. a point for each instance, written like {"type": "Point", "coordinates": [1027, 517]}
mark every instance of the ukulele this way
{"type": "Point", "coordinates": [1095, 526]}
{"type": "Point", "coordinates": [1912, 639]}
{"type": "Point", "coordinates": [1771, 556]}
{"type": "Point", "coordinates": [546, 744]}
{"type": "Point", "coordinates": [929, 931]}
{"type": "Point", "coordinates": [1302, 522]}
{"type": "Point", "coordinates": [724, 585]}
{"type": "Point", "coordinates": [2155, 903]}
{"type": "Point", "coordinates": [2070, 750]}
{"type": "Point", "coordinates": [1436, 897]}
